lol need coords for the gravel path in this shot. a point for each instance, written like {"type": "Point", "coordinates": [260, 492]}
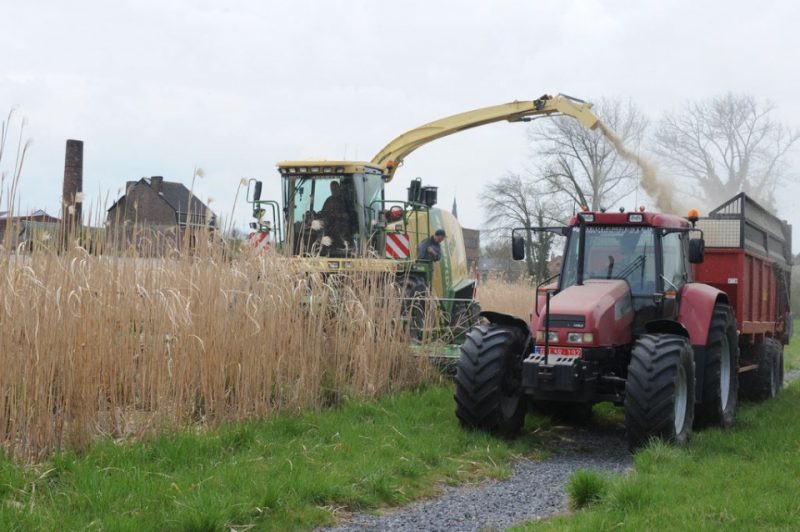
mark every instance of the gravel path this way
{"type": "Point", "coordinates": [535, 489]}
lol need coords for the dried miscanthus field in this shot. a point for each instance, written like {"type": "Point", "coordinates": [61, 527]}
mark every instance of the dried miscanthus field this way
{"type": "Point", "coordinates": [94, 345]}
{"type": "Point", "coordinates": [502, 296]}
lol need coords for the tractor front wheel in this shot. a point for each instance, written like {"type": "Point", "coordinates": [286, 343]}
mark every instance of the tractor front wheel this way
{"type": "Point", "coordinates": [488, 379]}
{"type": "Point", "coordinates": [721, 371]}
{"type": "Point", "coordinates": [659, 392]}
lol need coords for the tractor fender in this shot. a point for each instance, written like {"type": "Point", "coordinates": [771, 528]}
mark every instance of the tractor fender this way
{"type": "Point", "coordinates": [512, 321]}
{"type": "Point", "coordinates": [506, 319]}
{"type": "Point", "coordinates": [666, 327]}
{"type": "Point", "coordinates": [696, 309]}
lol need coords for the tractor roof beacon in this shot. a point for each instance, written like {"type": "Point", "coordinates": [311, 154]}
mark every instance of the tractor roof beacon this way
{"type": "Point", "coordinates": [634, 317]}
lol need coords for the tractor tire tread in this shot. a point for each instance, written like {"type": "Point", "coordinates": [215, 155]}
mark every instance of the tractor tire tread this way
{"type": "Point", "coordinates": [650, 389]}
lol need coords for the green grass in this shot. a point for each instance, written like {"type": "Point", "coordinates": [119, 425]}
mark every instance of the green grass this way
{"type": "Point", "coordinates": [301, 471]}
{"type": "Point", "coordinates": [586, 487]}
{"type": "Point", "coordinates": [284, 473]}
{"type": "Point", "coordinates": [746, 478]}
{"type": "Point", "coordinates": [791, 352]}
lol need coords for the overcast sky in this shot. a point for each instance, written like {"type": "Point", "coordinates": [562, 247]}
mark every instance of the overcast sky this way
{"type": "Point", "coordinates": [155, 87]}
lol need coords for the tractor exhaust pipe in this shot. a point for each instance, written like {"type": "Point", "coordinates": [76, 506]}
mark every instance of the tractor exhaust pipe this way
{"type": "Point", "coordinates": [546, 326]}
{"type": "Point", "coordinates": [581, 249]}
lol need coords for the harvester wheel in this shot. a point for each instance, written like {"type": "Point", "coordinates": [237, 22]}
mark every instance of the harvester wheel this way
{"type": "Point", "coordinates": [659, 392]}
{"type": "Point", "coordinates": [466, 314]}
{"type": "Point", "coordinates": [721, 372]}
{"type": "Point", "coordinates": [488, 379]}
{"type": "Point", "coordinates": [415, 298]}
{"type": "Point", "coordinates": [764, 382]}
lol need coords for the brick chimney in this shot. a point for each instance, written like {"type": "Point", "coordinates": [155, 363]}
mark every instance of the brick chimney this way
{"type": "Point", "coordinates": [72, 195]}
{"type": "Point", "coordinates": [155, 183]}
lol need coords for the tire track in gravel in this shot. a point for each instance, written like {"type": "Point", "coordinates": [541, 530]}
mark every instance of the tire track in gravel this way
{"type": "Point", "coordinates": [535, 489]}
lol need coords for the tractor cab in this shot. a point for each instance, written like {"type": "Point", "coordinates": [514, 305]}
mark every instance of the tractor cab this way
{"type": "Point", "coordinates": [648, 255]}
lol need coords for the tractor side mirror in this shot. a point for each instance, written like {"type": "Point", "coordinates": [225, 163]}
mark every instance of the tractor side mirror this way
{"type": "Point", "coordinates": [517, 247]}
{"type": "Point", "coordinates": [257, 191]}
{"type": "Point", "coordinates": [697, 250]}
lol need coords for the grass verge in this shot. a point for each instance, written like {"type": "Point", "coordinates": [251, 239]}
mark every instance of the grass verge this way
{"type": "Point", "coordinates": [746, 478]}
{"type": "Point", "coordinates": [285, 473]}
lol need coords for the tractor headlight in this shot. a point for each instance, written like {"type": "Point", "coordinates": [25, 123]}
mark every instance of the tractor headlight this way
{"type": "Point", "coordinates": [552, 336]}
{"type": "Point", "coordinates": [580, 338]}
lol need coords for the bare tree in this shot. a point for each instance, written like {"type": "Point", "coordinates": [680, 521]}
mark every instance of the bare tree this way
{"type": "Point", "coordinates": [726, 145]}
{"type": "Point", "coordinates": [513, 201]}
{"type": "Point", "coordinates": [496, 260]}
{"type": "Point", "coordinates": [581, 163]}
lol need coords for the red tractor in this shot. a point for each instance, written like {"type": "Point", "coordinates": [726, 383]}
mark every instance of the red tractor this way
{"type": "Point", "coordinates": [629, 320]}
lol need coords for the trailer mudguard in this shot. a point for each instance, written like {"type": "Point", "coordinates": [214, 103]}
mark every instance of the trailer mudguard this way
{"type": "Point", "coordinates": [696, 309]}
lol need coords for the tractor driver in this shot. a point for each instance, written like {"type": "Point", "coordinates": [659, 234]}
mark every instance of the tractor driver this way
{"type": "Point", "coordinates": [334, 214]}
{"type": "Point", "coordinates": [429, 249]}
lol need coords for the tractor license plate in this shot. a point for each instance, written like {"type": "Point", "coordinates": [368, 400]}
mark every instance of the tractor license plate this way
{"type": "Point", "coordinates": [559, 351]}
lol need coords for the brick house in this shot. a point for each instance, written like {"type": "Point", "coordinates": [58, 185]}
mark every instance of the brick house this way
{"type": "Point", "coordinates": [161, 209]}
{"type": "Point", "coordinates": [472, 247]}
{"type": "Point", "coordinates": [37, 224]}
{"type": "Point", "coordinates": [38, 216]}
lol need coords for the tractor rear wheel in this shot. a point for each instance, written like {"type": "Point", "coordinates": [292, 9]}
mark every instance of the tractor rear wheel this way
{"type": "Point", "coordinates": [721, 371]}
{"type": "Point", "coordinates": [488, 379]}
{"type": "Point", "coordinates": [765, 381]}
{"type": "Point", "coordinates": [659, 392]}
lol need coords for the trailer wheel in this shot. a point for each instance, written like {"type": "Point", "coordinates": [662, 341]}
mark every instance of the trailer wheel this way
{"type": "Point", "coordinates": [764, 382]}
{"type": "Point", "coordinates": [721, 372]}
{"type": "Point", "coordinates": [777, 356]}
{"type": "Point", "coordinates": [659, 391]}
{"type": "Point", "coordinates": [488, 379]}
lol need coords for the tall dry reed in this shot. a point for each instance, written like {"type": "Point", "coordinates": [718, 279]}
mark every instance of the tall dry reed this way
{"type": "Point", "coordinates": [511, 298]}
{"type": "Point", "coordinates": [122, 345]}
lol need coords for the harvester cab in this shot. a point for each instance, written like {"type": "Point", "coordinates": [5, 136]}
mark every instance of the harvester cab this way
{"type": "Point", "coordinates": [336, 220]}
